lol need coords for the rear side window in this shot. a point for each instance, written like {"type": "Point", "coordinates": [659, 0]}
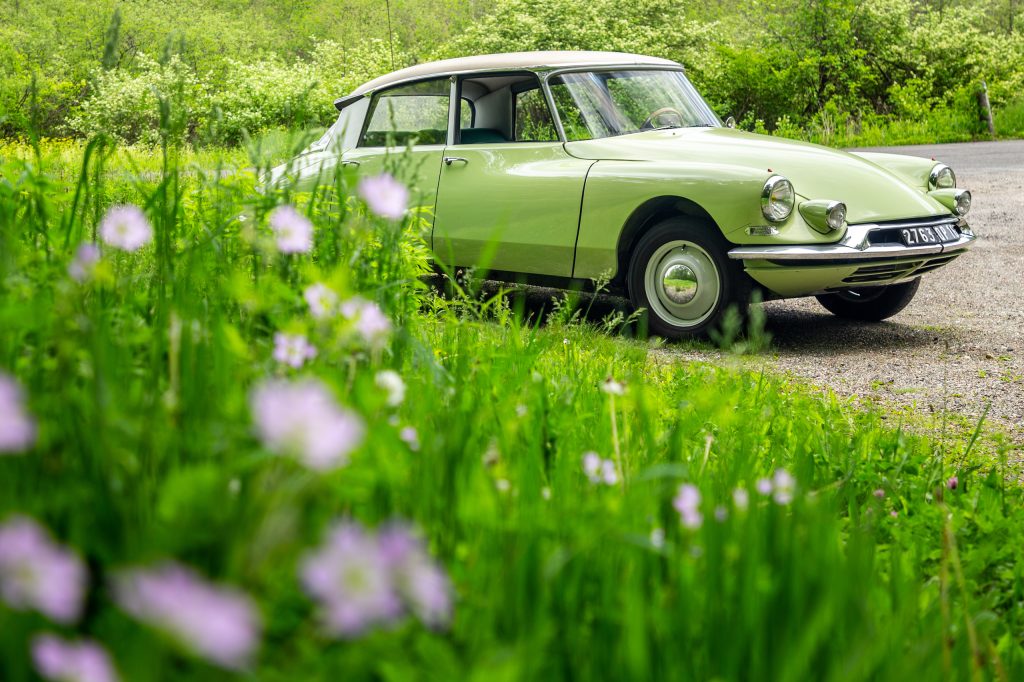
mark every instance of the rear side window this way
{"type": "Point", "coordinates": [413, 114]}
{"type": "Point", "coordinates": [533, 118]}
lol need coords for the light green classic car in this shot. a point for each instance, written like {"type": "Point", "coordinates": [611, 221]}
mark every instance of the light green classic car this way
{"type": "Point", "coordinates": [568, 167]}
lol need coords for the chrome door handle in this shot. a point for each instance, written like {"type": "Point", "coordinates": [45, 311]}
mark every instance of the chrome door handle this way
{"type": "Point", "coordinates": [449, 160]}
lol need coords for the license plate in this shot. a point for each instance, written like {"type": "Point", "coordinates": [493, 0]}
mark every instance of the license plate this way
{"type": "Point", "coordinates": [921, 236]}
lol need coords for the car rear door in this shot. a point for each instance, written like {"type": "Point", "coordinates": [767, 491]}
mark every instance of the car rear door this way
{"type": "Point", "coordinates": [404, 134]}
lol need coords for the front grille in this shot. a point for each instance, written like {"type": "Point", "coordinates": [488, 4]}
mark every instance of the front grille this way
{"type": "Point", "coordinates": [898, 270]}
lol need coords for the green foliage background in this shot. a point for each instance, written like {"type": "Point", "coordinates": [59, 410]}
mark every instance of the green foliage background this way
{"type": "Point", "coordinates": [836, 71]}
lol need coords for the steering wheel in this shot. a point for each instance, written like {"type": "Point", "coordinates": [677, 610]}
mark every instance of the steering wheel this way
{"type": "Point", "coordinates": [661, 112]}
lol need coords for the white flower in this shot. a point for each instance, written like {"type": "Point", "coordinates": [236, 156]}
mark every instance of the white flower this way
{"type": "Point", "coordinates": [126, 228]}
{"type": "Point", "coordinates": [392, 383]}
{"type": "Point", "coordinates": [321, 299]}
{"type": "Point", "coordinates": [292, 349]}
{"type": "Point", "coordinates": [613, 387]}
{"type": "Point", "coordinates": [783, 485]}
{"type": "Point", "coordinates": [741, 498]}
{"type": "Point", "coordinates": [385, 196]}
{"type": "Point", "coordinates": [657, 538]}
{"type": "Point", "coordinates": [293, 231]}
{"type": "Point", "coordinates": [764, 486]}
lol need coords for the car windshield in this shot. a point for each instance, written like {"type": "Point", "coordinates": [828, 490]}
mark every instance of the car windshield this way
{"type": "Point", "coordinates": [595, 104]}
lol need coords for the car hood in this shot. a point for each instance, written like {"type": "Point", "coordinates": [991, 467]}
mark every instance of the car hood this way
{"type": "Point", "coordinates": [871, 193]}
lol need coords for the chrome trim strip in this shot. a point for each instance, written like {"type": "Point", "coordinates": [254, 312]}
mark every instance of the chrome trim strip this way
{"type": "Point", "coordinates": [855, 245]}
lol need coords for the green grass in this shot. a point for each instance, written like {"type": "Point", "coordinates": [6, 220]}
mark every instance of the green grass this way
{"type": "Point", "coordinates": [139, 382]}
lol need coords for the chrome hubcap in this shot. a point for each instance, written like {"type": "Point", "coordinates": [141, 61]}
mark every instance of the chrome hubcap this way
{"type": "Point", "coordinates": [682, 283]}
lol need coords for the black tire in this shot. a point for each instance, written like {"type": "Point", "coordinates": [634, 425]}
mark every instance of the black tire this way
{"type": "Point", "coordinates": [708, 249]}
{"type": "Point", "coordinates": [870, 304]}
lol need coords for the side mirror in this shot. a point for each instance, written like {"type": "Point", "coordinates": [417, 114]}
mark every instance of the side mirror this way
{"type": "Point", "coordinates": [730, 122]}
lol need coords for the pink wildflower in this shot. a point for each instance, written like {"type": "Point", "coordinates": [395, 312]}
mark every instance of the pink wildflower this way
{"type": "Point", "coordinates": [303, 419]}
{"type": "Point", "coordinates": [17, 428]}
{"type": "Point", "coordinates": [293, 231]}
{"type": "Point", "coordinates": [68, 661]}
{"type": "Point", "coordinates": [36, 573]}
{"type": "Point", "coordinates": [219, 624]}
{"type": "Point", "coordinates": [125, 228]}
{"type": "Point", "coordinates": [384, 195]}
{"type": "Point", "coordinates": [293, 349]}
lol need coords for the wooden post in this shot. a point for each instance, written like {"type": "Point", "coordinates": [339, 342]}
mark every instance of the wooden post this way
{"type": "Point", "coordinates": [986, 109]}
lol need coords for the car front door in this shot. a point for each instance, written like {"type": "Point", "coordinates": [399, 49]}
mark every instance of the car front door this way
{"type": "Point", "coordinates": [404, 134]}
{"type": "Point", "coordinates": [509, 196]}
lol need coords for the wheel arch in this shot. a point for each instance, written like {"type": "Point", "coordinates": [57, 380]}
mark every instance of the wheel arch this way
{"type": "Point", "coordinates": [645, 216]}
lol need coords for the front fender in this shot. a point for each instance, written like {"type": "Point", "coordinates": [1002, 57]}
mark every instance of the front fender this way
{"type": "Point", "coordinates": [730, 194]}
{"type": "Point", "coordinates": [913, 170]}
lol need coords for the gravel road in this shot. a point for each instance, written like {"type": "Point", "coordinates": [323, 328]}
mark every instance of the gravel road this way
{"type": "Point", "coordinates": [959, 346]}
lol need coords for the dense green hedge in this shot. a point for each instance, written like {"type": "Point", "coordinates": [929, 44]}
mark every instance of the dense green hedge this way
{"type": "Point", "coordinates": [836, 71]}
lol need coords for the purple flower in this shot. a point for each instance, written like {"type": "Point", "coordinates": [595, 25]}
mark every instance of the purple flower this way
{"type": "Point", "coordinates": [721, 513]}
{"type": "Point", "coordinates": [351, 579]}
{"type": "Point", "coordinates": [17, 428]}
{"type": "Point", "coordinates": [219, 624]}
{"type": "Point", "coordinates": [879, 493]}
{"type": "Point", "coordinates": [384, 195]}
{"type": "Point", "coordinates": [126, 228]}
{"type": "Point", "coordinates": [783, 485]}
{"type": "Point", "coordinates": [36, 573]}
{"type": "Point", "coordinates": [687, 503]}
{"type": "Point", "coordinates": [372, 325]}
{"type": "Point", "coordinates": [68, 661]}
{"type": "Point", "coordinates": [303, 419]}
{"type": "Point", "coordinates": [599, 470]}
{"type": "Point", "coordinates": [292, 230]}
{"type": "Point", "coordinates": [764, 486]}
{"type": "Point", "coordinates": [953, 482]}
{"type": "Point", "coordinates": [321, 299]}
{"type": "Point", "coordinates": [391, 382]}
{"type": "Point", "coordinates": [83, 265]}
{"type": "Point", "coordinates": [292, 349]}
{"type": "Point", "coordinates": [420, 580]}
{"type": "Point", "coordinates": [410, 437]}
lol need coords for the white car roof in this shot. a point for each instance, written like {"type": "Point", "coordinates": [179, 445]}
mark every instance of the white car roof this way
{"type": "Point", "coordinates": [509, 61]}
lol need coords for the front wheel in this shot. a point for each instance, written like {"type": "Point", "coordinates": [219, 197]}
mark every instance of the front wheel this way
{"type": "Point", "coordinates": [681, 273]}
{"type": "Point", "coordinates": [870, 304]}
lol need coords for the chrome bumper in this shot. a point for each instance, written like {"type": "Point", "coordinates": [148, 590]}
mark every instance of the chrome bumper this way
{"type": "Point", "coordinates": [856, 245]}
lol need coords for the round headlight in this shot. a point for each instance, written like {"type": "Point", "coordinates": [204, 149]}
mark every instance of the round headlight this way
{"type": "Point", "coordinates": [941, 177]}
{"type": "Point", "coordinates": [836, 216]}
{"type": "Point", "coordinates": [777, 198]}
{"type": "Point", "coordinates": [963, 202]}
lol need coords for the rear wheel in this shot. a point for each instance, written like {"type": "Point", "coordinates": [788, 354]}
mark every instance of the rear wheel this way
{"type": "Point", "coordinates": [871, 304]}
{"type": "Point", "coordinates": [681, 273]}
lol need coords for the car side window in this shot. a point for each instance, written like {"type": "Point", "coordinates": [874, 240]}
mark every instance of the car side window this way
{"type": "Point", "coordinates": [412, 114]}
{"type": "Point", "coordinates": [533, 122]}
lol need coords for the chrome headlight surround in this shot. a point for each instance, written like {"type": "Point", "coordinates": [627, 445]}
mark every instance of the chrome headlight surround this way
{"type": "Point", "coordinates": [824, 215]}
{"type": "Point", "coordinates": [958, 201]}
{"type": "Point", "coordinates": [963, 202]}
{"type": "Point", "coordinates": [777, 199]}
{"type": "Point", "coordinates": [941, 177]}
